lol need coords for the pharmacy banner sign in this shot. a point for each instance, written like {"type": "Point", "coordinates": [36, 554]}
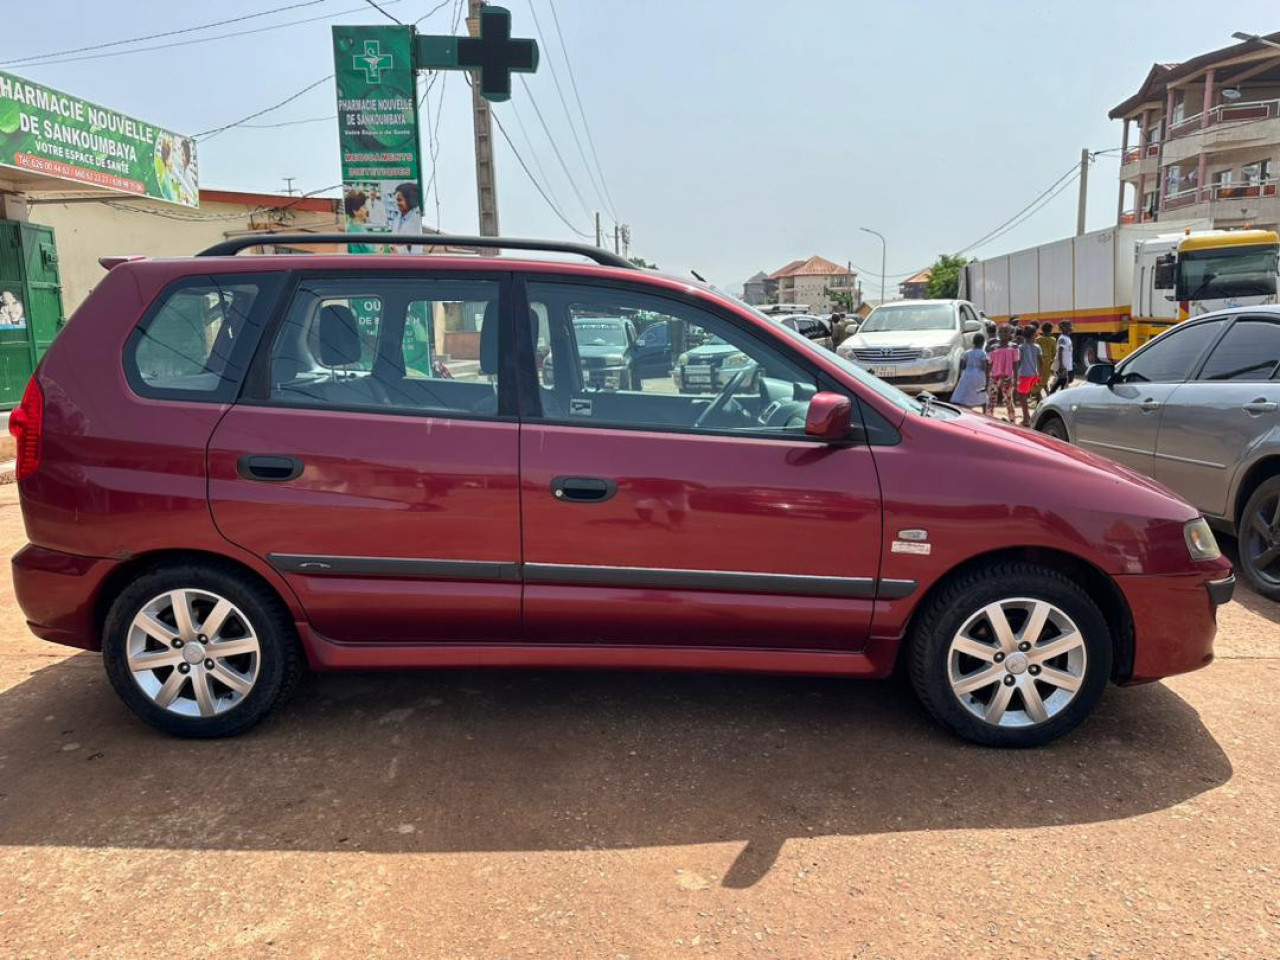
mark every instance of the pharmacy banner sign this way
{"type": "Point", "coordinates": [45, 131]}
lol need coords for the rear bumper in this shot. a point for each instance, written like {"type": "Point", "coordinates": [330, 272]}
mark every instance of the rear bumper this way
{"type": "Point", "coordinates": [1174, 620]}
{"type": "Point", "coordinates": [57, 593]}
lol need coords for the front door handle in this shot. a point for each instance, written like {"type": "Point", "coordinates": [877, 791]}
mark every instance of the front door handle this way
{"type": "Point", "coordinates": [583, 489]}
{"type": "Point", "coordinates": [1261, 405]}
{"type": "Point", "coordinates": [269, 468]}
{"type": "Point", "coordinates": [1149, 405]}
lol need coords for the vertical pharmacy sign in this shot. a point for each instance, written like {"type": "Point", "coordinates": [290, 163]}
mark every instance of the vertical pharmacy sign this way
{"type": "Point", "coordinates": [54, 134]}
{"type": "Point", "coordinates": [378, 133]}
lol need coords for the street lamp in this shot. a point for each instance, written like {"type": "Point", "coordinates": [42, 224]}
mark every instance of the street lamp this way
{"type": "Point", "coordinates": [1240, 35]}
{"type": "Point", "coordinates": [884, 248]}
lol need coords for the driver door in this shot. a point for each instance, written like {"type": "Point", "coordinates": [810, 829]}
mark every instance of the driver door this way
{"type": "Point", "coordinates": [689, 510]}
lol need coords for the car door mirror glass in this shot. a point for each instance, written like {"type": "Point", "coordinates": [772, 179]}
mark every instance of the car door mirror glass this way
{"type": "Point", "coordinates": [972, 326]}
{"type": "Point", "coordinates": [829, 417]}
{"type": "Point", "coordinates": [1102, 373]}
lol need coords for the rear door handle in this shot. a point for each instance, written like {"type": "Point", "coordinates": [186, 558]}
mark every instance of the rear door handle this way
{"type": "Point", "coordinates": [269, 468]}
{"type": "Point", "coordinates": [1261, 405]}
{"type": "Point", "coordinates": [583, 489]}
{"type": "Point", "coordinates": [1149, 405]}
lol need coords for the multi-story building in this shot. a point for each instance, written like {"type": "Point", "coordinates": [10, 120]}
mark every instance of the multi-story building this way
{"type": "Point", "coordinates": [916, 286]}
{"type": "Point", "coordinates": [755, 289]}
{"type": "Point", "coordinates": [1202, 139]}
{"type": "Point", "coordinates": [807, 282]}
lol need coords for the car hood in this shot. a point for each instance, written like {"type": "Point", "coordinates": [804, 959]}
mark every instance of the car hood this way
{"type": "Point", "coordinates": [902, 338]}
{"type": "Point", "coordinates": [1022, 443]}
{"type": "Point", "coordinates": [712, 351]}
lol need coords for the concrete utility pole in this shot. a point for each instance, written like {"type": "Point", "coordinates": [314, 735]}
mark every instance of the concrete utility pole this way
{"type": "Point", "coordinates": [1084, 190]}
{"type": "Point", "coordinates": [626, 241]}
{"type": "Point", "coordinates": [486, 177]}
{"type": "Point", "coordinates": [599, 236]}
{"type": "Point", "coordinates": [616, 244]}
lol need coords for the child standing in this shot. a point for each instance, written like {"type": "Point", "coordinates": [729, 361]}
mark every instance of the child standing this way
{"type": "Point", "coordinates": [1028, 370]}
{"type": "Point", "coordinates": [973, 376]}
{"type": "Point", "coordinates": [1004, 362]}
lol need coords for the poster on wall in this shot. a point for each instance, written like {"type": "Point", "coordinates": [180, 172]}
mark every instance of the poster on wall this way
{"type": "Point", "coordinates": [378, 135]}
{"type": "Point", "coordinates": [54, 134]}
{"type": "Point", "coordinates": [13, 315]}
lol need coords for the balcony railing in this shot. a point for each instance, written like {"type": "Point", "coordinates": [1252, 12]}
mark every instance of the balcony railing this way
{"type": "Point", "coordinates": [1132, 217]}
{"type": "Point", "coordinates": [1228, 113]}
{"type": "Point", "coordinates": [1217, 191]}
{"type": "Point", "coordinates": [1140, 153]}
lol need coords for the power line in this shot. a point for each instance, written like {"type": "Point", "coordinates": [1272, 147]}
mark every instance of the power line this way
{"type": "Point", "coordinates": [555, 76]}
{"type": "Point", "coordinates": [167, 33]}
{"type": "Point", "coordinates": [555, 149]}
{"type": "Point", "coordinates": [221, 36]}
{"type": "Point", "coordinates": [533, 153]}
{"type": "Point", "coordinates": [586, 127]}
{"type": "Point", "coordinates": [439, 6]}
{"type": "Point", "coordinates": [375, 6]}
{"type": "Point", "coordinates": [1074, 168]}
{"type": "Point", "coordinates": [537, 186]}
{"type": "Point", "coordinates": [275, 106]}
{"type": "Point", "coordinates": [287, 123]}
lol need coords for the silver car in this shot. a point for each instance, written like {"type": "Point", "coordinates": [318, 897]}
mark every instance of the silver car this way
{"type": "Point", "coordinates": [1196, 408]}
{"type": "Point", "coordinates": [915, 344]}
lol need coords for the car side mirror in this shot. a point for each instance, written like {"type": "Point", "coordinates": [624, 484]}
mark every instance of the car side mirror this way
{"type": "Point", "coordinates": [1101, 373]}
{"type": "Point", "coordinates": [972, 326]}
{"type": "Point", "coordinates": [642, 342]}
{"type": "Point", "coordinates": [829, 418]}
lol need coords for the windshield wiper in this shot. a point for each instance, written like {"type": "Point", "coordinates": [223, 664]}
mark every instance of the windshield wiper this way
{"type": "Point", "coordinates": [1208, 279]}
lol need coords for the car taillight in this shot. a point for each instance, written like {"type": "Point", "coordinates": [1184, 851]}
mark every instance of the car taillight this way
{"type": "Point", "coordinates": [27, 425]}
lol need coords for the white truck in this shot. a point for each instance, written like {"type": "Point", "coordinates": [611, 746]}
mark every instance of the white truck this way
{"type": "Point", "coordinates": [1123, 285]}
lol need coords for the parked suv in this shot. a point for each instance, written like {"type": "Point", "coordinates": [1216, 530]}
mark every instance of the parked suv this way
{"type": "Point", "coordinates": [229, 469]}
{"type": "Point", "coordinates": [915, 344]}
{"type": "Point", "coordinates": [1198, 408]}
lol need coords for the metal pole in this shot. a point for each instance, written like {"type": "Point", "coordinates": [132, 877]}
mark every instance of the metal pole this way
{"type": "Point", "coordinates": [884, 254]}
{"type": "Point", "coordinates": [616, 244]}
{"type": "Point", "coordinates": [486, 178]}
{"type": "Point", "coordinates": [599, 239]}
{"type": "Point", "coordinates": [1084, 191]}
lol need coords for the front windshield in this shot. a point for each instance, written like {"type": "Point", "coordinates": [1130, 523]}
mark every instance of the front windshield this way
{"type": "Point", "coordinates": [910, 318]}
{"type": "Point", "coordinates": [591, 334]}
{"type": "Point", "coordinates": [1227, 272]}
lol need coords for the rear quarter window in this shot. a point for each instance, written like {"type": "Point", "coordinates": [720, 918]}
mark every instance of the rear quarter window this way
{"type": "Point", "coordinates": [196, 340]}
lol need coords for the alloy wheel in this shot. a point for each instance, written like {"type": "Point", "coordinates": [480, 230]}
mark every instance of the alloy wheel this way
{"type": "Point", "coordinates": [1017, 662]}
{"type": "Point", "coordinates": [193, 652]}
{"type": "Point", "coordinates": [1260, 544]}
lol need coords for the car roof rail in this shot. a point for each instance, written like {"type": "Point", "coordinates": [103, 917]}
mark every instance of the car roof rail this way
{"type": "Point", "coordinates": [229, 248]}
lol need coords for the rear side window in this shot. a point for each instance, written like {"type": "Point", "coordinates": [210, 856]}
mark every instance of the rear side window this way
{"type": "Point", "coordinates": [196, 341]}
{"type": "Point", "coordinates": [1249, 351]}
{"type": "Point", "coordinates": [1172, 358]}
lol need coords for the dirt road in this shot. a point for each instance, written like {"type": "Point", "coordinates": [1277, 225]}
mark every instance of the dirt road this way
{"type": "Point", "coordinates": [607, 816]}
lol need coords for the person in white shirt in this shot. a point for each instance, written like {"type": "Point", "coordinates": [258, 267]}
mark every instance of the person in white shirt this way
{"type": "Point", "coordinates": [1064, 360]}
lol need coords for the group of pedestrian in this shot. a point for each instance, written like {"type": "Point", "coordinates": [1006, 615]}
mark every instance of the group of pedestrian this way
{"type": "Point", "coordinates": [1021, 364]}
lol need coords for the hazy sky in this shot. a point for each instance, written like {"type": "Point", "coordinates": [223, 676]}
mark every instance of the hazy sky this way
{"type": "Point", "coordinates": [733, 136]}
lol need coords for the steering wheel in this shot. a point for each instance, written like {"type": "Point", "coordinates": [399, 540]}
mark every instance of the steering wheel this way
{"type": "Point", "coordinates": [721, 400]}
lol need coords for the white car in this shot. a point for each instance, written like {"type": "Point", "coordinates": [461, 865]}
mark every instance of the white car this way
{"type": "Point", "coordinates": [915, 344]}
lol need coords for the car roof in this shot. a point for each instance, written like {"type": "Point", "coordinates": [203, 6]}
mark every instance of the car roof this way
{"type": "Point", "coordinates": [1271, 309]}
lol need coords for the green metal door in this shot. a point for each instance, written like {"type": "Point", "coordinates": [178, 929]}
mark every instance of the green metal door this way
{"type": "Point", "coordinates": [30, 303]}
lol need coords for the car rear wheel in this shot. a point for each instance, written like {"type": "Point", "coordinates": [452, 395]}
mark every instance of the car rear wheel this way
{"type": "Point", "coordinates": [199, 651]}
{"type": "Point", "coordinates": [1260, 540]}
{"type": "Point", "coordinates": [1012, 655]}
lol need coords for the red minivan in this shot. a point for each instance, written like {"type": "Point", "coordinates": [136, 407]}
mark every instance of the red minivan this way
{"type": "Point", "coordinates": [232, 467]}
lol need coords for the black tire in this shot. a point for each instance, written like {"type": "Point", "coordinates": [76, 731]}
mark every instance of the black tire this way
{"type": "Point", "coordinates": [956, 602]}
{"type": "Point", "coordinates": [1053, 426]}
{"type": "Point", "coordinates": [280, 661]}
{"type": "Point", "coordinates": [1252, 541]}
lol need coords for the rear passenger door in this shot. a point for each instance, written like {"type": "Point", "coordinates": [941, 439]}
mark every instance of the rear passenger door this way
{"type": "Point", "coordinates": [373, 458]}
{"type": "Point", "coordinates": [1211, 423]}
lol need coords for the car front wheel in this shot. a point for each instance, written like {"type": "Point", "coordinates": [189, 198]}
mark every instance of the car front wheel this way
{"type": "Point", "coordinates": [1260, 540]}
{"type": "Point", "coordinates": [1054, 427]}
{"type": "Point", "coordinates": [1011, 655]}
{"type": "Point", "coordinates": [199, 650]}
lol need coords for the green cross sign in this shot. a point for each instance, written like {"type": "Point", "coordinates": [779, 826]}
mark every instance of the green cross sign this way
{"type": "Point", "coordinates": [373, 61]}
{"type": "Point", "coordinates": [493, 55]}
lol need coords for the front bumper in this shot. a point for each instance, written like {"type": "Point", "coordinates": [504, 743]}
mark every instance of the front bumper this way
{"type": "Point", "coordinates": [57, 593]}
{"type": "Point", "coordinates": [936, 374]}
{"type": "Point", "coordinates": [1174, 620]}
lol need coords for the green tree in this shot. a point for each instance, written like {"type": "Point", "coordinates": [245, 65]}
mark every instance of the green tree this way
{"type": "Point", "coordinates": [843, 299]}
{"type": "Point", "coordinates": [944, 277]}
{"type": "Point", "coordinates": [643, 264]}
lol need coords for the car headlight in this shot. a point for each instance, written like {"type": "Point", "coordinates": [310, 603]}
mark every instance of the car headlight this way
{"type": "Point", "coordinates": [736, 361]}
{"type": "Point", "coordinates": [1201, 543]}
{"type": "Point", "coordinates": [682, 360]}
{"type": "Point", "coordinates": [929, 353]}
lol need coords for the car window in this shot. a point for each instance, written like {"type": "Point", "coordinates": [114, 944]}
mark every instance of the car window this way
{"type": "Point", "coordinates": [714, 375]}
{"type": "Point", "coordinates": [1172, 357]}
{"type": "Point", "coordinates": [197, 340]}
{"type": "Point", "coordinates": [1249, 351]}
{"type": "Point", "coordinates": [428, 345]}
